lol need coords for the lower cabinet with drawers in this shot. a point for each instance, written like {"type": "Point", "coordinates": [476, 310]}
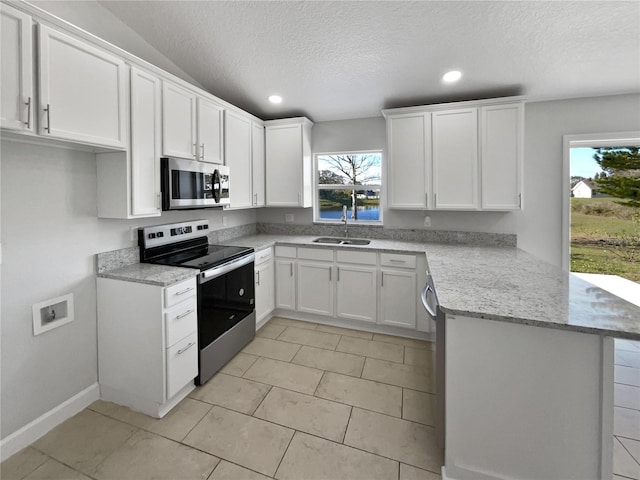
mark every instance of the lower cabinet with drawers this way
{"type": "Point", "coordinates": [367, 287]}
{"type": "Point", "coordinates": [147, 343]}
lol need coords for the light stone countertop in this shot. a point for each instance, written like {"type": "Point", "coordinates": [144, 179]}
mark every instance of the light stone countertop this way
{"type": "Point", "coordinates": [150, 274]}
{"type": "Point", "coordinates": [501, 283]}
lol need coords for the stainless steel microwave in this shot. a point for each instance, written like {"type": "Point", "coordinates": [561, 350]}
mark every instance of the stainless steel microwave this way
{"type": "Point", "coordinates": [189, 184]}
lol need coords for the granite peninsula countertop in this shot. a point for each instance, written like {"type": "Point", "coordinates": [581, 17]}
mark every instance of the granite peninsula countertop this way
{"type": "Point", "coordinates": [501, 283]}
{"type": "Point", "coordinates": [150, 274]}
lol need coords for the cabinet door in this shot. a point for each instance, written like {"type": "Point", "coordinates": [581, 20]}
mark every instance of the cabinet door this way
{"type": "Point", "coordinates": [257, 157]}
{"type": "Point", "coordinates": [178, 122]}
{"type": "Point", "coordinates": [284, 169]}
{"type": "Point", "coordinates": [356, 293]}
{"type": "Point", "coordinates": [82, 91]}
{"type": "Point", "coordinates": [455, 159]}
{"type": "Point", "coordinates": [409, 161]}
{"type": "Point", "coordinates": [210, 131]}
{"type": "Point", "coordinates": [500, 157]}
{"type": "Point", "coordinates": [285, 284]}
{"type": "Point", "coordinates": [182, 364]}
{"type": "Point", "coordinates": [16, 70]}
{"type": "Point", "coordinates": [315, 288]}
{"type": "Point", "coordinates": [264, 290]}
{"type": "Point", "coordinates": [237, 144]}
{"type": "Point", "coordinates": [398, 293]}
{"type": "Point", "coordinates": [145, 143]}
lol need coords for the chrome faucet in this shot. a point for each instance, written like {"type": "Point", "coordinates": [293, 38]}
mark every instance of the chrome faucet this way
{"type": "Point", "coordinates": [344, 219]}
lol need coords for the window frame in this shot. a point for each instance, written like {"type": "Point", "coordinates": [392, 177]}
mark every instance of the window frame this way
{"type": "Point", "coordinates": [317, 187]}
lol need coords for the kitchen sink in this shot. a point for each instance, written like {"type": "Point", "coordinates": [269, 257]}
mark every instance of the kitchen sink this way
{"type": "Point", "coordinates": [342, 241]}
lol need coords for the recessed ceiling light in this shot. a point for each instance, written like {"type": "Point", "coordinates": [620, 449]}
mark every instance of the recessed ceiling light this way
{"type": "Point", "coordinates": [452, 76]}
{"type": "Point", "coordinates": [275, 99]}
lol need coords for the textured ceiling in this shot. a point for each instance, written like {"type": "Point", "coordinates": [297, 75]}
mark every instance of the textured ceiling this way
{"type": "Point", "coordinates": [347, 59]}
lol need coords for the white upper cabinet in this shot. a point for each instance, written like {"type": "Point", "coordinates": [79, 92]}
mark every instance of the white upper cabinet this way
{"type": "Point", "coordinates": [501, 147]}
{"type": "Point", "coordinates": [145, 143]}
{"type": "Point", "coordinates": [16, 70]}
{"type": "Point", "coordinates": [409, 143]}
{"type": "Point", "coordinates": [257, 158]}
{"type": "Point", "coordinates": [178, 122]}
{"type": "Point", "coordinates": [210, 131]}
{"type": "Point", "coordinates": [288, 163]}
{"type": "Point", "coordinates": [237, 142]}
{"type": "Point", "coordinates": [82, 91]}
{"type": "Point", "coordinates": [455, 159]}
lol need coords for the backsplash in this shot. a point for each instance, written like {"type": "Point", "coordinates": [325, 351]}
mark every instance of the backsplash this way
{"type": "Point", "coordinates": [423, 236]}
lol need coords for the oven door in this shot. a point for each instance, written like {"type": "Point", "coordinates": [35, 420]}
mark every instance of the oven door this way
{"type": "Point", "coordinates": [186, 184]}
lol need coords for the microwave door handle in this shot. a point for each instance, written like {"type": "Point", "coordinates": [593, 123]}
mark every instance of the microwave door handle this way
{"type": "Point", "coordinates": [217, 186]}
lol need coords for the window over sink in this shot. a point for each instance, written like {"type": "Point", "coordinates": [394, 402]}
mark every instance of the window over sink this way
{"type": "Point", "coordinates": [352, 180]}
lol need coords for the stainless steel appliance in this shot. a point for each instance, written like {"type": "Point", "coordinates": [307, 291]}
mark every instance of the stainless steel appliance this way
{"type": "Point", "coordinates": [226, 290]}
{"type": "Point", "coordinates": [189, 184]}
{"type": "Point", "coordinates": [432, 306]}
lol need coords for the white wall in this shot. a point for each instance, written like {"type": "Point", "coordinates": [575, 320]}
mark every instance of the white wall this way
{"type": "Point", "coordinates": [539, 226]}
{"type": "Point", "coordinates": [50, 235]}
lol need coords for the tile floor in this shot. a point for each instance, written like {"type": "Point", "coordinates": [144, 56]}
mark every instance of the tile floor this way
{"type": "Point", "coordinates": [302, 401]}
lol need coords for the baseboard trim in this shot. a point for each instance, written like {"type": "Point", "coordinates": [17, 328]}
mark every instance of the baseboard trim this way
{"type": "Point", "coordinates": [31, 432]}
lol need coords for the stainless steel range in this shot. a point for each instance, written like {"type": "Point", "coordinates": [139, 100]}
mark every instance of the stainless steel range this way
{"type": "Point", "coordinates": [226, 292]}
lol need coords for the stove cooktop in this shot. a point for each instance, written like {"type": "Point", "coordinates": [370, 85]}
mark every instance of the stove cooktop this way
{"type": "Point", "coordinates": [204, 257]}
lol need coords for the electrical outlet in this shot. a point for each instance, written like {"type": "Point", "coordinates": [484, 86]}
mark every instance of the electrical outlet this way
{"type": "Point", "coordinates": [288, 217]}
{"type": "Point", "coordinates": [427, 221]}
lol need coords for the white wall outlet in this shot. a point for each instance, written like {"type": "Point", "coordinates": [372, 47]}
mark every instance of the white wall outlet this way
{"type": "Point", "coordinates": [427, 221]}
{"type": "Point", "coordinates": [288, 217]}
{"type": "Point", "coordinates": [224, 221]}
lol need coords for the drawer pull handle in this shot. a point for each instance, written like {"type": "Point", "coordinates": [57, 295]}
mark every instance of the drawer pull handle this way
{"type": "Point", "coordinates": [182, 350]}
{"type": "Point", "coordinates": [393, 260]}
{"type": "Point", "coordinates": [182, 315]}
{"type": "Point", "coordinates": [186, 290]}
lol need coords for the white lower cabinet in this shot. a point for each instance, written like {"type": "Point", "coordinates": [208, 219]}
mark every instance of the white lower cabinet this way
{"type": "Point", "coordinates": [315, 288]}
{"type": "Point", "coordinates": [398, 298]}
{"type": "Point", "coordinates": [285, 266]}
{"type": "Point", "coordinates": [147, 343]}
{"type": "Point", "coordinates": [356, 292]}
{"type": "Point", "coordinates": [265, 291]}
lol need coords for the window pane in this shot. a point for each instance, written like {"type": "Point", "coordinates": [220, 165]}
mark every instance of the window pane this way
{"type": "Point", "coordinates": [367, 205]}
{"type": "Point", "coordinates": [349, 169]}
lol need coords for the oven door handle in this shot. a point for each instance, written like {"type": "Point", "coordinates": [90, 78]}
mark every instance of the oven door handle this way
{"type": "Point", "coordinates": [226, 268]}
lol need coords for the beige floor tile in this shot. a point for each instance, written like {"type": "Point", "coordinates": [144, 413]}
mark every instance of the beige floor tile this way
{"type": "Point", "coordinates": [312, 338]}
{"type": "Point", "coordinates": [146, 455]}
{"type": "Point", "coordinates": [626, 396]}
{"type": "Point", "coordinates": [175, 424]}
{"type": "Point", "coordinates": [627, 375]}
{"type": "Point", "coordinates": [407, 472]}
{"type": "Point", "coordinates": [53, 470]}
{"type": "Point", "coordinates": [271, 330]}
{"type": "Point", "coordinates": [239, 364]}
{"type": "Point", "coordinates": [230, 471]}
{"type": "Point", "coordinates": [241, 439]}
{"type": "Point", "coordinates": [361, 393]}
{"type": "Point", "coordinates": [406, 342]}
{"type": "Point", "coordinates": [417, 406]}
{"type": "Point", "coordinates": [626, 423]}
{"type": "Point", "coordinates": [305, 413]}
{"type": "Point", "coordinates": [266, 347]}
{"type": "Point", "coordinates": [105, 408]}
{"type": "Point", "coordinates": [348, 332]}
{"type": "Point", "coordinates": [407, 442]}
{"type": "Point", "coordinates": [286, 375]}
{"type": "Point", "coordinates": [623, 462]}
{"type": "Point", "coordinates": [21, 464]}
{"type": "Point", "coordinates": [408, 376]}
{"type": "Point", "coordinates": [85, 440]}
{"type": "Point", "coordinates": [338, 362]}
{"type": "Point", "coordinates": [368, 348]}
{"type": "Point", "coordinates": [632, 446]}
{"type": "Point", "coordinates": [288, 322]}
{"type": "Point", "coordinates": [312, 458]}
{"type": "Point", "coordinates": [417, 356]}
{"type": "Point", "coordinates": [629, 359]}
{"type": "Point", "coordinates": [231, 392]}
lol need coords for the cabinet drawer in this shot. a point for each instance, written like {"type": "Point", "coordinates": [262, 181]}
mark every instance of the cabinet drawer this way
{"type": "Point", "coordinates": [288, 252]}
{"type": "Point", "coordinates": [180, 321]}
{"type": "Point", "coordinates": [182, 364]}
{"type": "Point", "coordinates": [397, 260]}
{"type": "Point", "coordinates": [322, 254]}
{"type": "Point", "coordinates": [360, 258]}
{"type": "Point", "coordinates": [179, 292]}
{"type": "Point", "coordinates": [264, 255]}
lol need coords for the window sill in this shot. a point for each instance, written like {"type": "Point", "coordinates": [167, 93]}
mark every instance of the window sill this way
{"type": "Point", "coordinates": [352, 224]}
